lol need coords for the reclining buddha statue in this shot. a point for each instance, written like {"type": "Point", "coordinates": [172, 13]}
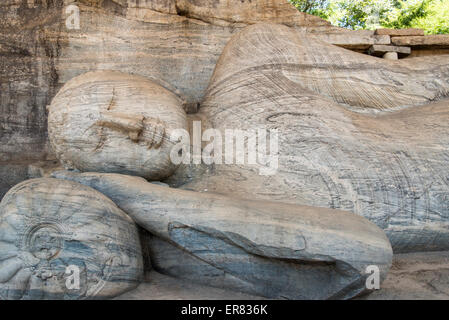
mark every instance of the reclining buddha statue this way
{"type": "Point", "coordinates": [362, 157]}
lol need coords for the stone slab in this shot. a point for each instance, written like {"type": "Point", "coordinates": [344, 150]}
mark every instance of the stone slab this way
{"type": "Point", "coordinates": [354, 40]}
{"type": "Point", "coordinates": [423, 52]}
{"type": "Point", "coordinates": [400, 32]}
{"type": "Point", "coordinates": [10, 175]}
{"type": "Point", "coordinates": [436, 41]}
{"type": "Point", "coordinates": [380, 49]}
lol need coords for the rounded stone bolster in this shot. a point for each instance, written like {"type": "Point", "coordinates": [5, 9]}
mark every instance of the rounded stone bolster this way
{"type": "Point", "coordinates": [63, 240]}
{"type": "Point", "coordinates": [266, 248]}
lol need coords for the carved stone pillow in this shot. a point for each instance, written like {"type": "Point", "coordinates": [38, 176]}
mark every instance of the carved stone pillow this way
{"type": "Point", "coordinates": [63, 240]}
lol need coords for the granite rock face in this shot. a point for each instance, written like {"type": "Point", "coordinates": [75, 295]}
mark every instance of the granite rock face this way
{"type": "Point", "coordinates": [356, 133]}
{"type": "Point", "coordinates": [266, 248]}
{"type": "Point", "coordinates": [28, 77]}
{"type": "Point", "coordinates": [108, 121]}
{"type": "Point", "coordinates": [52, 229]}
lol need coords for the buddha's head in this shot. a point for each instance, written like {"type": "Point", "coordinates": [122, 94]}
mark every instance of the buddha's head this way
{"type": "Point", "coordinates": [108, 121]}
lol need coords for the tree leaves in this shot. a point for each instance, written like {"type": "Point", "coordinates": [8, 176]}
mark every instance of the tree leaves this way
{"type": "Point", "coordinates": [430, 15]}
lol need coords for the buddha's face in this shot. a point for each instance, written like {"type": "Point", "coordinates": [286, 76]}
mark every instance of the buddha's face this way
{"type": "Point", "coordinates": [108, 121]}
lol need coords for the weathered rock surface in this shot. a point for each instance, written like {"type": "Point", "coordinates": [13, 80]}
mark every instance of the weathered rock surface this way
{"type": "Point", "coordinates": [247, 12]}
{"type": "Point", "coordinates": [435, 41]}
{"type": "Point", "coordinates": [266, 248]}
{"type": "Point", "coordinates": [49, 225]}
{"type": "Point", "coordinates": [108, 121]}
{"type": "Point", "coordinates": [429, 51]}
{"type": "Point", "coordinates": [10, 175]}
{"type": "Point", "coordinates": [389, 167]}
{"type": "Point", "coordinates": [40, 54]}
{"type": "Point", "coordinates": [28, 78]}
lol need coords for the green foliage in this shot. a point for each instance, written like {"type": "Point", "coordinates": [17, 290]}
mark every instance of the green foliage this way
{"type": "Point", "coordinates": [437, 20]}
{"type": "Point", "coordinates": [406, 12]}
{"type": "Point", "coordinates": [316, 7]}
{"type": "Point", "coordinates": [363, 14]}
{"type": "Point", "coordinates": [430, 15]}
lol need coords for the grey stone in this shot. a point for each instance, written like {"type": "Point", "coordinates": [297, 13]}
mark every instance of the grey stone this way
{"type": "Point", "coordinates": [29, 78]}
{"type": "Point", "coordinates": [344, 141]}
